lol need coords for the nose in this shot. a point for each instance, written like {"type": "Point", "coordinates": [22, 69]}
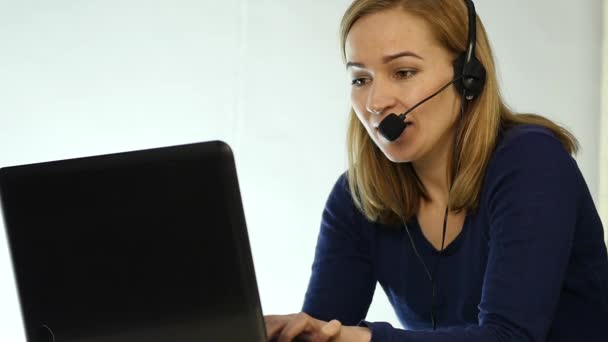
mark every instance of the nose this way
{"type": "Point", "coordinates": [380, 98]}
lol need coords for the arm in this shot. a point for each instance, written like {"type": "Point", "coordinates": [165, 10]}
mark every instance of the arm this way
{"type": "Point", "coordinates": [533, 187]}
{"type": "Point", "coordinates": [342, 283]}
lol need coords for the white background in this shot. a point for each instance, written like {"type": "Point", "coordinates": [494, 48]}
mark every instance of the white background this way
{"type": "Point", "coordinates": [84, 77]}
{"type": "Point", "coordinates": [603, 160]}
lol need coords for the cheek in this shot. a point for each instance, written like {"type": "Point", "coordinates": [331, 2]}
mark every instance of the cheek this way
{"type": "Point", "coordinates": [441, 110]}
{"type": "Point", "coordinates": [358, 104]}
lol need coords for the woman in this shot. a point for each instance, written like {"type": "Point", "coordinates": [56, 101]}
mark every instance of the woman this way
{"type": "Point", "coordinates": [476, 221]}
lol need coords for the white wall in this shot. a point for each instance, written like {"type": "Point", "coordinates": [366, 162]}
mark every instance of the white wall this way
{"type": "Point", "coordinates": [603, 160]}
{"type": "Point", "coordinates": [87, 77]}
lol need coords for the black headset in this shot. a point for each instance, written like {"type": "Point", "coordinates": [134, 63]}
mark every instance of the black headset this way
{"type": "Point", "coordinates": [469, 79]}
{"type": "Point", "coordinates": [467, 65]}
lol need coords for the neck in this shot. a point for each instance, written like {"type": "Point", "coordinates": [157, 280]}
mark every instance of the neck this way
{"type": "Point", "coordinates": [433, 170]}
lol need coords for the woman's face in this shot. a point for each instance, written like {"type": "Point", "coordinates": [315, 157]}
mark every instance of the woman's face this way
{"type": "Point", "coordinates": [394, 62]}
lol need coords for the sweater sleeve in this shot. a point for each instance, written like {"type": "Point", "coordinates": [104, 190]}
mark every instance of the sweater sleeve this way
{"type": "Point", "coordinates": [531, 206]}
{"type": "Point", "coordinates": [342, 283]}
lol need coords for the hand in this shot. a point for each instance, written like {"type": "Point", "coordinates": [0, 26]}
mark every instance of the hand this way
{"type": "Point", "coordinates": [301, 327]}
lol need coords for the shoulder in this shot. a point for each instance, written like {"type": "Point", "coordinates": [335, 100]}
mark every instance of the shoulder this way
{"type": "Point", "coordinates": [340, 199]}
{"type": "Point", "coordinates": [525, 134]}
{"type": "Point", "coordinates": [340, 195]}
{"type": "Point", "coordinates": [529, 159]}
{"type": "Point", "coordinates": [340, 212]}
{"type": "Point", "coordinates": [526, 146]}
{"type": "Point", "coordinates": [341, 185]}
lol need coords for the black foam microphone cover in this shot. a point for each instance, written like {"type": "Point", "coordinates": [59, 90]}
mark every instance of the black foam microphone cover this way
{"type": "Point", "coordinates": [391, 127]}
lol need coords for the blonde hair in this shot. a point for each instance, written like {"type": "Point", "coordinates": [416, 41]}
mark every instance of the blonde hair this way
{"type": "Point", "coordinates": [387, 192]}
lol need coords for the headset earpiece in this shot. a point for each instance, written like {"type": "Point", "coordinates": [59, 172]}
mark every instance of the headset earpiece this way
{"type": "Point", "coordinates": [473, 76]}
{"type": "Point", "coordinates": [467, 65]}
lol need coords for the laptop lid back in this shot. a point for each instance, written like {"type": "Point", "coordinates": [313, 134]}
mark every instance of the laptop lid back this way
{"type": "Point", "coordinates": [139, 246]}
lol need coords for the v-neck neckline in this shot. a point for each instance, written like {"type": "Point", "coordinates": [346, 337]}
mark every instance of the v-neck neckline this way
{"type": "Point", "coordinates": [451, 248]}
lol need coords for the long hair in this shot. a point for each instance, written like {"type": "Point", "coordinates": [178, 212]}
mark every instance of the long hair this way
{"type": "Point", "coordinates": [387, 192]}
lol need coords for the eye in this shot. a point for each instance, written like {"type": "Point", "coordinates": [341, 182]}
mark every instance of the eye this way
{"type": "Point", "coordinates": [404, 74]}
{"type": "Point", "coordinates": [359, 82]}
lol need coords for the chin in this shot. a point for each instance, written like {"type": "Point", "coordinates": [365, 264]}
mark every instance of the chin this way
{"type": "Point", "coordinates": [396, 151]}
{"type": "Point", "coordinates": [401, 150]}
{"type": "Point", "coordinates": [398, 158]}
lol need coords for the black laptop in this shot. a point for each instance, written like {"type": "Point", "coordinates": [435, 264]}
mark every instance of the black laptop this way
{"type": "Point", "coordinates": [143, 246]}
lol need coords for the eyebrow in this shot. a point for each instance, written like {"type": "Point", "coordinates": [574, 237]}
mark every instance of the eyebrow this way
{"type": "Point", "coordinates": [386, 59]}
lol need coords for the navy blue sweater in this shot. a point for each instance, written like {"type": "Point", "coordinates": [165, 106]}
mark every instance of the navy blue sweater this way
{"type": "Point", "coordinates": [529, 265]}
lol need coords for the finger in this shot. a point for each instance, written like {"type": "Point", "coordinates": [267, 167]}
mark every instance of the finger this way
{"type": "Point", "coordinates": [299, 324]}
{"type": "Point", "coordinates": [332, 328]}
{"type": "Point", "coordinates": [275, 323]}
{"type": "Point", "coordinates": [329, 331]}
